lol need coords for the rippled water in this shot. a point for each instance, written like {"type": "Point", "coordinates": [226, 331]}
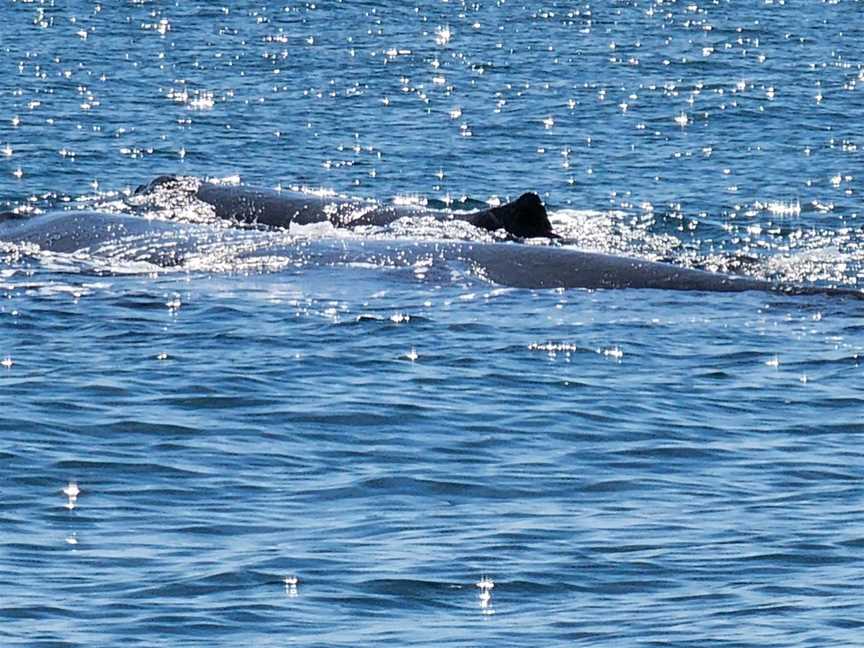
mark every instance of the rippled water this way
{"type": "Point", "coordinates": [628, 467]}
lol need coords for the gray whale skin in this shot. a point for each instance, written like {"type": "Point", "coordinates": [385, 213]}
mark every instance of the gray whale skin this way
{"type": "Point", "coordinates": [525, 217]}
{"type": "Point", "coordinates": [507, 263]}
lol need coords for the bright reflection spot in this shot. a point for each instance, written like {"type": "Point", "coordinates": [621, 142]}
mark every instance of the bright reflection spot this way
{"type": "Point", "coordinates": [71, 491]}
{"type": "Point", "coordinates": [486, 584]}
{"type": "Point", "coordinates": [615, 352]}
{"type": "Point", "coordinates": [443, 35]}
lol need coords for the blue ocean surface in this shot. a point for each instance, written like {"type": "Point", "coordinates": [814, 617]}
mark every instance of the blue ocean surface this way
{"type": "Point", "coordinates": [295, 450]}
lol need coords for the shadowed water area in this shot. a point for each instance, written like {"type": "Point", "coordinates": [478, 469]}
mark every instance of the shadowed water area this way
{"type": "Point", "coordinates": [218, 434]}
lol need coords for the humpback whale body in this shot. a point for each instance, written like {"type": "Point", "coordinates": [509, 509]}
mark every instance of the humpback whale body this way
{"type": "Point", "coordinates": [170, 243]}
{"type": "Point", "coordinates": [525, 217]}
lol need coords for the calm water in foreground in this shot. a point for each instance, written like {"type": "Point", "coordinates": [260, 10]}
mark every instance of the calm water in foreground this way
{"type": "Point", "coordinates": [630, 468]}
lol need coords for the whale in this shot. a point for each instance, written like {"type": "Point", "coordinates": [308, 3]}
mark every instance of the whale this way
{"type": "Point", "coordinates": [525, 217]}
{"type": "Point", "coordinates": [99, 235]}
{"type": "Point", "coordinates": [171, 244]}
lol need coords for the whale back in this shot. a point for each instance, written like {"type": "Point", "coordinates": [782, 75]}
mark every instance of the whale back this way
{"type": "Point", "coordinates": [525, 217]}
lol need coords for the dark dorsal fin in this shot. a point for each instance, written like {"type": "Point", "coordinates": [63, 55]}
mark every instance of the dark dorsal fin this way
{"type": "Point", "coordinates": [525, 217]}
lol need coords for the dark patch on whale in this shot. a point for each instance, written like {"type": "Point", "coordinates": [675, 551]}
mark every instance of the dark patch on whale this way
{"type": "Point", "coordinates": [525, 217]}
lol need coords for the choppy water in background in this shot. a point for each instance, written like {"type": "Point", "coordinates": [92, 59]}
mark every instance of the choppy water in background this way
{"type": "Point", "coordinates": [630, 468]}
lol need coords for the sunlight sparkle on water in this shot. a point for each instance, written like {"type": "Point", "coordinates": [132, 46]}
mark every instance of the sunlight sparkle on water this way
{"type": "Point", "coordinates": [485, 583]}
{"type": "Point", "coordinates": [443, 35]}
{"type": "Point", "coordinates": [485, 597]}
{"type": "Point", "coordinates": [291, 581]}
{"type": "Point", "coordinates": [71, 491]}
{"type": "Point", "coordinates": [615, 352]}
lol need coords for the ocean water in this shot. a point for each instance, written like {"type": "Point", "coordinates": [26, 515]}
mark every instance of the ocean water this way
{"type": "Point", "coordinates": [293, 452]}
